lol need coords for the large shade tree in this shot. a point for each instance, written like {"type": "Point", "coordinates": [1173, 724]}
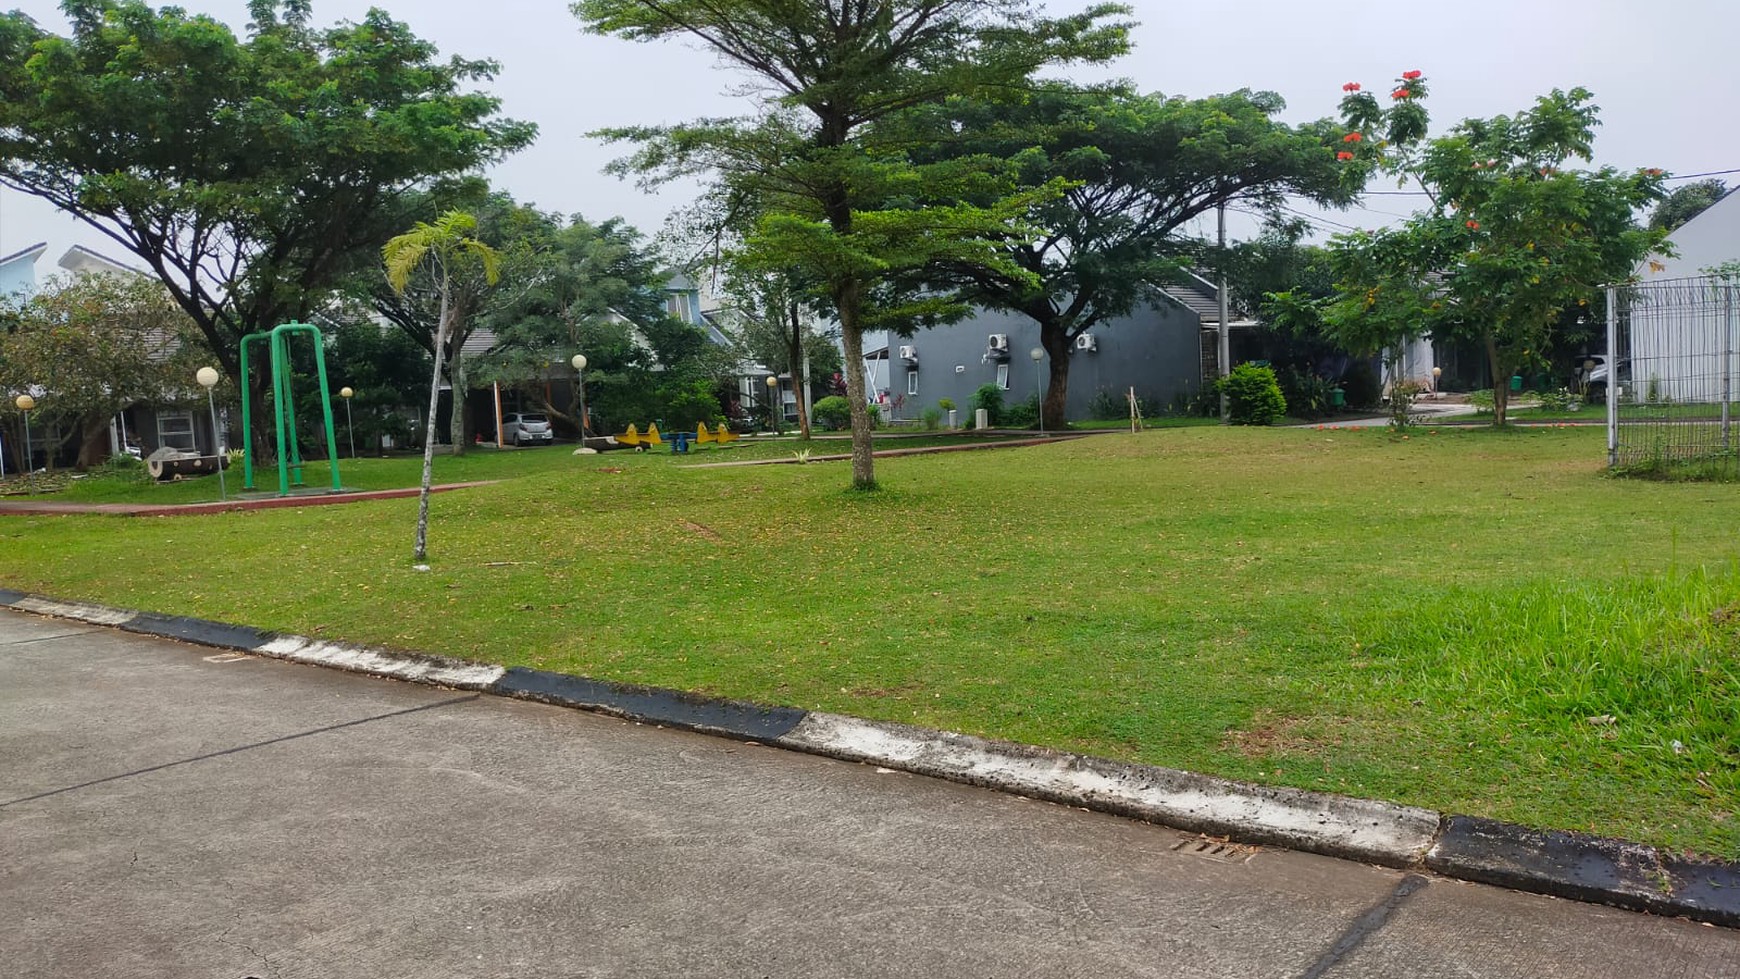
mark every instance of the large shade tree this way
{"type": "Point", "coordinates": [247, 173]}
{"type": "Point", "coordinates": [1141, 169]}
{"type": "Point", "coordinates": [852, 213]}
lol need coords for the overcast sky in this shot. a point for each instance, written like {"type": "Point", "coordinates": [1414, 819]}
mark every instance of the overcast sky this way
{"type": "Point", "coordinates": [1661, 71]}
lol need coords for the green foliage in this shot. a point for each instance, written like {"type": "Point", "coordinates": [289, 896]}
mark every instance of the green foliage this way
{"type": "Point", "coordinates": [689, 403]}
{"type": "Point", "coordinates": [1686, 203]}
{"type": "Point", "coordinates": [1482, 400]}
{"type": "Point", "coordinates": [1141, 169]}
{"type": "Point", "coordinates": [843, 206]}
{"type": "Point", "coordinates": [1306, 395]}
{"type": "Point", "coordinates": [251, 174]}
{"type": "Point", "coordinates": [990, 398]}
{"type": "Point", "coordinates": [1558, 399]}
{"type": "Point", "coordinates": [1403, 394]}
{"type": "Point", "coordinates": [1021, 414]}
{"type": "Point", "coordinates": [833, 412]}
{"type": "Point", "coordinates": [97, 344]}
{"type": "Point", "coordinates": [946, 404]}
{"type": "Point", "coordinates": [932, 419]}
{"type": "Point", "coordinates": [1513, 240]}
{"type": "Point", "coordinates": [1253, 395]}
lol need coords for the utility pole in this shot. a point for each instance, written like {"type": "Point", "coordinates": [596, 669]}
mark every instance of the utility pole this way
{"type": "Point", "coordinates": [1225, 352]}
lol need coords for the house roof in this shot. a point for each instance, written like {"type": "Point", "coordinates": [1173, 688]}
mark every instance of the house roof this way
{"type": "Point", "coordinates": [1200, 296]}
{"type": "Point", "coordinates": [78, 258]}
{"type": "Point", "coordinates": [30, 254]}
{"type": "Point", "coordinates": [1709, 239]}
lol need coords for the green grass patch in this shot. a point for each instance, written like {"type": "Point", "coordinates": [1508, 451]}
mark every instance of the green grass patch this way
{"type": "Point", "coordinates": [1470, 620]}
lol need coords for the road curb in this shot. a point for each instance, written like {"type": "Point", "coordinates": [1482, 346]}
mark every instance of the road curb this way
{"type": "Point", "coordinates": [1562, 864]}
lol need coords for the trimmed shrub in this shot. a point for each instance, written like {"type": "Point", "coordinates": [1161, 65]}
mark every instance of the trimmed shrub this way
{"type": "Point", "coordinates": [832, 412]}
{"type": "Point", "coordinates": [1253, 395]}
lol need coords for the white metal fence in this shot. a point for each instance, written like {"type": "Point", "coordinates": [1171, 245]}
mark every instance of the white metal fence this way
{"type": "Point", "coordinates": [1673, 351]}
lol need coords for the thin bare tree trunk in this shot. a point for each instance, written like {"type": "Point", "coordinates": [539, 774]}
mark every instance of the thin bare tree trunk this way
{"type": "Point", "coordinates": [422, 551]}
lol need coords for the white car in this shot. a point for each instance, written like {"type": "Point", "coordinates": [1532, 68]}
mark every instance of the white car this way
{"type": "Point", "coordinates": [527, 428]}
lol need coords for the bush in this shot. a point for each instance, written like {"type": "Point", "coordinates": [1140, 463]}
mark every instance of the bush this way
{"type": "Point", "coordinates": [932, 418]}
{"type": "Point", "coordinates": [946, 404]}
{"type": "Point", "coordinates": [1307, 395]}
{"type": "Point", "coordinates": [1024, 414]}
{"type": "Point", "coordinates": [990, 398]}
{"type": "Point", "coordinates": [833, 412]}
{"type": "Point", "coordinates": [1482, 401]}
{"type": "Point", "coordinates": [1253, 395]}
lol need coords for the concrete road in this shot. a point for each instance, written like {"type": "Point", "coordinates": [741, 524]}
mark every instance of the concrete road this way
{"type": "Point", "coordinates": [166, 810]}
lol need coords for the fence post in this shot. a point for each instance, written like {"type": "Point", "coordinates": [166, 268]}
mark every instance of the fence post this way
{"type": "Point", "coordinates": [1727, 361]}
{"type": "Point", "coordinates": [1612, 376]}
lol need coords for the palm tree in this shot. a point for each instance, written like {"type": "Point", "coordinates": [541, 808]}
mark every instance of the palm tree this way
{"type": "Point", "coordinates": [436, 248]}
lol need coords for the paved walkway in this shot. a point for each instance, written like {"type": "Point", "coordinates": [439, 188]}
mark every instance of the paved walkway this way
{"type": "Point", "coordinates": [251, 502]}
{"type": "Point", "coordinates": [173, 811]}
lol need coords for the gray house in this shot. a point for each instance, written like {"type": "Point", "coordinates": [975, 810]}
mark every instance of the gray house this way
{"type": "Point", "coordinates": [1164, 350]}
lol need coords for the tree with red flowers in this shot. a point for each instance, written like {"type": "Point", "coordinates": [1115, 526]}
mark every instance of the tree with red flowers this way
{"type": "Point", "coordinates": [1513, 235]}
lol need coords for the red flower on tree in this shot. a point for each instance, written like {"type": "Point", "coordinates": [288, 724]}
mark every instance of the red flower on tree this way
{"type": "Point", "coordinates": [1400, 93]}
{"type": "Point", "coordinates": [1352, 138]}
{"type": "Point", "coordinates": [1473, 225]}
{"type": "Point", "coordinates": [1344, 155]}
{"type": "Point", "coordinates": [1410, 75]}
{"type": "Point", "coordinates": [1350, 87]}
{"type": "Point", "coordinates": [1654, 171]}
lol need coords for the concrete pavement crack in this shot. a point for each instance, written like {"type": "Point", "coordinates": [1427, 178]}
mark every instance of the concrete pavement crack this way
{"type": "Point", "coordinates": [1364, 927]}
{"type": "Point", "coordinates": [240, 748]}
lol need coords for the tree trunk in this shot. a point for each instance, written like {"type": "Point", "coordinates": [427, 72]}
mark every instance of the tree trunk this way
{"type": "Point", "coordinates": [797, 379]}
{"type": "Point", "coordinates": [94, 441]}
{"type": "Point", "coordinates": [422, 550]}
{"type": "Point", "coordinates": [1053, 407]}
{"type": "Point", "coordinates": [457, 430]}
{"type": "Point", "coordinates": [1500, 381]}
{"type": "Point", "coordinates": [848, 299]}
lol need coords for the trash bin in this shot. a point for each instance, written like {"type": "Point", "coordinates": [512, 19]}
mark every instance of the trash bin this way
{"type": "Point", "coordinates": [1516, 382]}
{"type": "Point", "coordinates": [1337, 398]}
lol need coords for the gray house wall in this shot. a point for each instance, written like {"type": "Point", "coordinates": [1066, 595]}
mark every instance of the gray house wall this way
{"type": "Point", "coordinates": [1155, 350]}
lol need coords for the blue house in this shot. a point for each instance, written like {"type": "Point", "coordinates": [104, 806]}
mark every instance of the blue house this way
{"type": "Point", "coordinates": [18, 270]}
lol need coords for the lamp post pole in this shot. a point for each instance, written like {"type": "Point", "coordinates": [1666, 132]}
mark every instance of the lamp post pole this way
{"type": "Point", "coordinates": [25, 403]}
{"type": "Point", "coordinates": [774, 409]}
{"type": "Point", "coordinates": [208, 378]}
{"type": "Point", "coordinates": [1038, 355]}
{"type": "Point", "coordinates": [349, 429]}
{"type": "Point", "coordinates": [579, 362]}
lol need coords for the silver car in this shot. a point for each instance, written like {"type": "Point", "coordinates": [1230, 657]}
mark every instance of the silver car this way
{"type": "Point", "coordinates": [527, 429]}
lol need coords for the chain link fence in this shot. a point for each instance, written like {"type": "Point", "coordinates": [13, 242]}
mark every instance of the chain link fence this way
{"type": "Point", "coordinates": [1668, 376]}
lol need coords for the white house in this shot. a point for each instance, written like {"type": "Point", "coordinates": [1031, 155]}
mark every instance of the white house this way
{"type": "Point", "coordinates": [1683, 341]}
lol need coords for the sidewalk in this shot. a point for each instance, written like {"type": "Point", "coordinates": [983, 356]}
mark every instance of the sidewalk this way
{"type": "Point", "coordinates": [254, 501]}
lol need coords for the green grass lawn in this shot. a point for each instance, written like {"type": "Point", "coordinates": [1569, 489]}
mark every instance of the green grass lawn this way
{"type": "Point", "coordinates": [1469, 620]}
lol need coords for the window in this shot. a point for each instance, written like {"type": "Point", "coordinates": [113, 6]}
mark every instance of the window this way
{"type": "Point", "coordinates": [912, 382]}
{"type": "Point", "coordinates": [681, 306]}
{"type": "Point", "coordinates": [1003, 376]}
{"type": "Point", "coordinates": [175, 430]}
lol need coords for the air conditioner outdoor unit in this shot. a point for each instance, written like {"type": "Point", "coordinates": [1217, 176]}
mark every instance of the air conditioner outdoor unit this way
{"type": "Point", "coordinates": [999, 341]}
{"type": "Point", "coordinates": [1088, 342]}
{"type": "Point", "coordinates": [909, 354]}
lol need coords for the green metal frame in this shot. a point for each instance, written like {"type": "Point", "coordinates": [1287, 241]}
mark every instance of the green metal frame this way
{"type": "Point", "coordinates": [289, 453]}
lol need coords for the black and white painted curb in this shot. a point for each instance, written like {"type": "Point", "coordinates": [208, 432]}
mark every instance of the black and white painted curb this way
{"type": "Point", "coordinates": [1568, 865]}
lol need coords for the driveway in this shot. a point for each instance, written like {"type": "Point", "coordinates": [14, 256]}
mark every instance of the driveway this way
{"type": "Point", "coordinates": [169, 810]}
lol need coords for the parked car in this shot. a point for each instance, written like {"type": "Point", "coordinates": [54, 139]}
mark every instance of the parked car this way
{"type": "Point", "coordinates": [527, 428]}
{"type": "Point", "coordinates": [1592, 373]}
